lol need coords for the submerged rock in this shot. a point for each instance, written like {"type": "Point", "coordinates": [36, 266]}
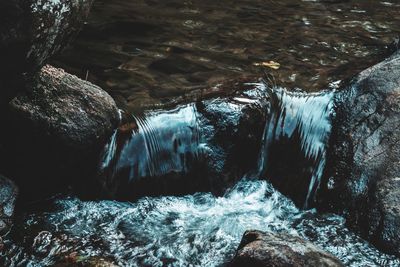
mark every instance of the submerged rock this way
{"type": "Point", "coordinates": [362, 178]}
{"type": "Point", "coordinates": [57, 130]}
{"type": "Point", "coordinates": [259, 249]}
{"type": "Point", "coordinates": [8, 197]}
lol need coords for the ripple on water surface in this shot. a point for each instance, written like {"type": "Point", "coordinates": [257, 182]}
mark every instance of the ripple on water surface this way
{"type": "Point", "coordinates": [144, 52]}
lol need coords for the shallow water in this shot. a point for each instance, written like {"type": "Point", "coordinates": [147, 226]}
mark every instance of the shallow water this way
{"type": "Point", "coordinates": [193, 230]}
{"type": "Point", "coordinates": [145, 52]}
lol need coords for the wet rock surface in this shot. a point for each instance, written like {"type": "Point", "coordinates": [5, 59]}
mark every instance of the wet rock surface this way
{"type": "Point", "coordinates": [363, 168]}
{"type": "Point", "coordinates": [259, 249]}
{"type": "Point", "coordinates": [57, 130]}
{"type": "Point", "coordinates": [8, 197]}
{"type": "Point", "coordinates": [85, 262]}
{"type": "Point", "coordinates": [32, 31]}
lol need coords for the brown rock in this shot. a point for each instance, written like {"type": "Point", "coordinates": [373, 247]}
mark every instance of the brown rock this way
{"type": "Point", "coordinates": [259, 249]}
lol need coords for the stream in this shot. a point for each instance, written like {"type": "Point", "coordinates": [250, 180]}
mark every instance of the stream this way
{"type": "Point", "coordinates": [146, 53]}
{"type": "Point", "coordinates": [199, 229]}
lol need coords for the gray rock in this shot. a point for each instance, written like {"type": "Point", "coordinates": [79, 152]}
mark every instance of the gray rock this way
{"type": "Point", "coordinates": [31, 31]}
{"type": "Point", "coordinates": [259, 249]}
{"type": "Point", "coordinates": [58, 129]}
{"type": "Point", "coordinates": [363, 164]}
{"type": "Point", "coordinates": [8, 197]}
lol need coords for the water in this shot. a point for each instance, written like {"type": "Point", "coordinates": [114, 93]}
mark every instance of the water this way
{"type": "Point", "coordinates": [160, 143]}
{"type": "Point", "coordinates": [147, 52]}
{"type": "Point", "coordinates": [198, 229]}
{"type": "Point", "coordinates": [192, 230]}
{"type": "Point", "coordinates": [300, 120]}
{"type": "Point", "coordinates": [163, 142]}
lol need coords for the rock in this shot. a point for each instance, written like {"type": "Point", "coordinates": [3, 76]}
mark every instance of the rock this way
{"type": "Point", "coordinates": [385, 215]}
{"type": "Point", "coordinates": [75, 260]}
{"type": "Point", "coordinates": [57, 130]}
{"type": "Point", "coordinates": [259, 249]}
{"type": "Point", "coordinates": [8, 197]}
{"type": "Point", "coordinates": [361, 178]}
{"type": "Point", "coordinates": [31, 31]}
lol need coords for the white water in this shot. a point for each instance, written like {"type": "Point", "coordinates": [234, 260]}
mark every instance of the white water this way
{"type": "Point", "coordinates": [194, 230]}
{"type": "Point", "coordinates": [309, 116]}
{"type": "Point", "coordinates": [166, 141]}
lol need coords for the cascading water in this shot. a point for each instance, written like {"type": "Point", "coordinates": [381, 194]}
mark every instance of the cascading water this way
{"type": "Point", "coordinates": [161, 143]}
{"type": "Point", "coordinates": [193, 230]}
{"type": "Point", "coordinates": [297, 122]}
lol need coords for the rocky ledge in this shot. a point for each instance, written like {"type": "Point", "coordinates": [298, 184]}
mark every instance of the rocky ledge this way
{"type": "Point", "coordinates": [259, 249]}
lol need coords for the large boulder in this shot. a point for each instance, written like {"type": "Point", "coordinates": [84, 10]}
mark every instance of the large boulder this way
{"type": "Point", "coordinates": [362, 178]}
{"type": "Point", "coordinates": [8, 197]}
{"type": "Point", "coordinates": [259, 249]}
{"type": "Point", "coordinates": [33, 30]}
{"type": "Point", "coordinates": [56, 131]}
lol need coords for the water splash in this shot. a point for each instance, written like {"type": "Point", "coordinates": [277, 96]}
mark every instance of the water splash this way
{"type": "Point", "coordinates": [300, 118]}
{"type": "Point", "coordinates": [192, 230]}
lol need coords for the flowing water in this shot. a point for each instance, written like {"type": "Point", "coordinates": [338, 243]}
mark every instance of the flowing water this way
{"type": "Point", "coordinates": [164, 141]}
{"type": "Point", "coordinates": [198, 229]}
{"type": "Point", "coordinates": [193, 230]}
{"type": "Point", "coordinates": [145, 52]}
{"type": "Point", "coordinates": [297, 119]}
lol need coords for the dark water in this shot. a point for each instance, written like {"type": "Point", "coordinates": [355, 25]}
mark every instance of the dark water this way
{"type": "Point", "coordinates": [145, 52]}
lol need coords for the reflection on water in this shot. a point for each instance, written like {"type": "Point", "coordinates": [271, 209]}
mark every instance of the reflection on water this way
{"type": "Point", "coordinates": [194, 230]}
{"type": "Point", "coordinates": [161, 143]}
{"type": "Point", "coordinates": [146, 51]}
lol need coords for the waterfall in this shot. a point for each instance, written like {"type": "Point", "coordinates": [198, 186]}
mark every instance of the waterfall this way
{"type": "Point", "coordinates": [162, 142]}
{"type": "Point", "coordinates": [303, 120]}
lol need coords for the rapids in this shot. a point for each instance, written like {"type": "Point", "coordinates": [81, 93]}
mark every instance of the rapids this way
{"type": "Point", "coordinates": [193, 230]}
{"type": "Point", "coordinates": [199, 229]}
